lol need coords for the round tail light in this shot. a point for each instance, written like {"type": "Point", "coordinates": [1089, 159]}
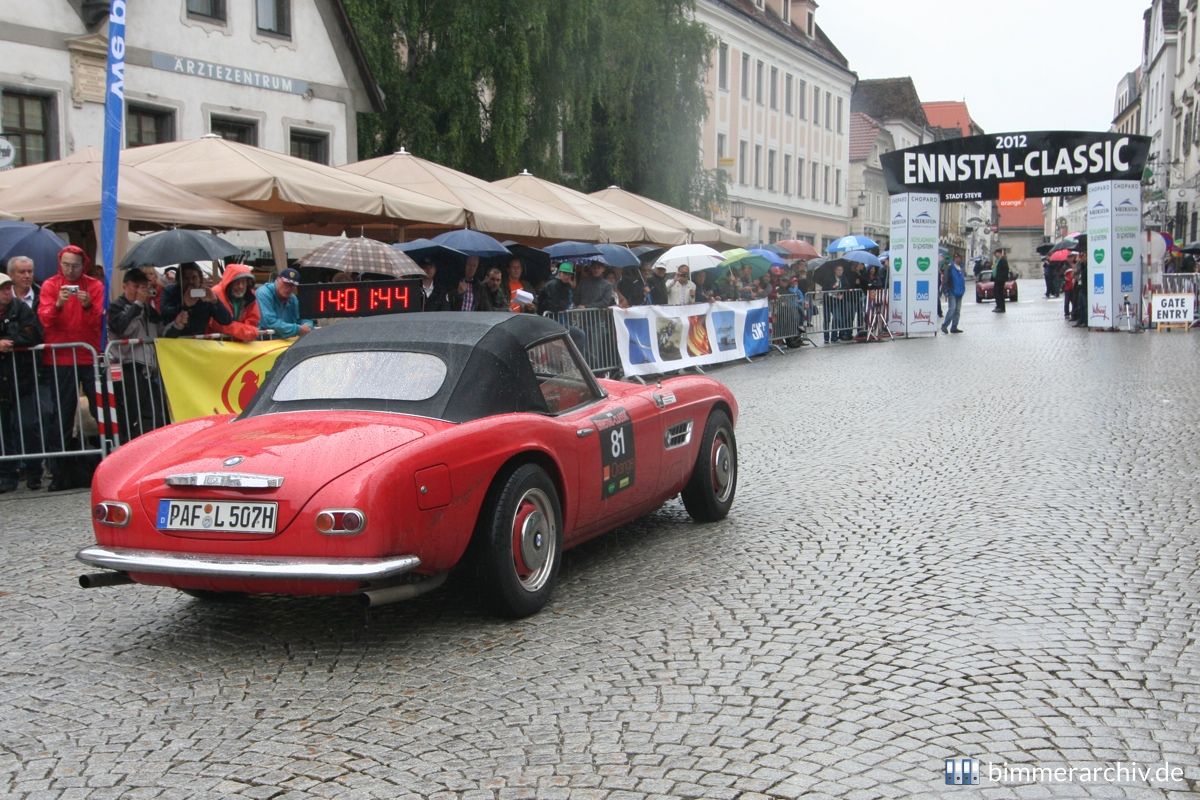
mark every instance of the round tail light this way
{"type": "Point", "coordinates": [340, 521]}
{"type": "Point", "coordinates": [111, 513]}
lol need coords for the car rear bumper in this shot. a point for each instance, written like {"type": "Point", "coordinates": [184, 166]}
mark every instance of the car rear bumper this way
{"type": "Point", "coordinates": [164, 562]}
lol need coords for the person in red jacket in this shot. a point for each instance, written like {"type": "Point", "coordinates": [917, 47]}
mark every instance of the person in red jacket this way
{"type": "Point", "coordinates": [236, 293]}
{"type": "Point", "coordinates": [70, 309]}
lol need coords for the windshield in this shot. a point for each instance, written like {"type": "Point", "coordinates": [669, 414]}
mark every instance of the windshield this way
{"type": "Point", "coordinates": [363, 375]}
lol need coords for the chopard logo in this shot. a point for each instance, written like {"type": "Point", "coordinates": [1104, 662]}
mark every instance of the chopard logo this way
{"type": "Point", "coordinates": [1099, 311]}
{"type": "Point", "coordinates": [922, 316]}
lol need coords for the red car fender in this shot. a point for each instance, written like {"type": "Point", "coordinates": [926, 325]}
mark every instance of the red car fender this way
{"type": "Point", "coordinates": [473, 453]}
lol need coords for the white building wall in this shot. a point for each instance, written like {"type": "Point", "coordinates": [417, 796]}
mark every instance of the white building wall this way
{"type": "Point", "coordinates": [33, 58]}
{"type": "Point", "coordinates": [791, 136]}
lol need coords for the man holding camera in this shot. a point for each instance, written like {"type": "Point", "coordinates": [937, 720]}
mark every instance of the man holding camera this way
{"type": "Point", "coordinates": [69, 308]}
{"type": "Point", "coordinates": [139, 397]}
{"type": "Point", "coordinates": [190, 304]}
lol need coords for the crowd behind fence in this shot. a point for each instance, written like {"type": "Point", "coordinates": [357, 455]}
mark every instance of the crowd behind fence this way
{"type": "Point", "coordinates": [124, 393]}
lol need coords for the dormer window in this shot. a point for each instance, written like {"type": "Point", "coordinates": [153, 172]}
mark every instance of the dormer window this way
{"type": "Point", "coordinates": [811, 26]}
{"type": "Point", "coordinates": [787, 12]}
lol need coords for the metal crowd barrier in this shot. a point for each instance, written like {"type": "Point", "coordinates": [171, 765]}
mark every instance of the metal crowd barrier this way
{"type": "Point", "coordinates": [34, 397]}
{"type": "Point", "coordinates": [600, 347]}
{"type": "Point", "coordinates": [789, 314]}
{"type": "Point", "coordinates": [847, 315]}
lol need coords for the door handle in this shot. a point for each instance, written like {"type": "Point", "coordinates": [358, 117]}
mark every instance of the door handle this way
{"type": "Point", "coordinates": [582, 432]}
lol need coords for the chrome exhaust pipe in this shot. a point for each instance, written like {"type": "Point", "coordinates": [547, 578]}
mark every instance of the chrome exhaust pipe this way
{"type": "Point", "coordinates": [94, 580]}
{"type": "Point", "coordinates": [405, 591]}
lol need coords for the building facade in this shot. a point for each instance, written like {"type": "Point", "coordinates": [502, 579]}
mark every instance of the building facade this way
{"type": "Point", "coordinates": [1185, 179]}
{"type": "Point", "coordinates": [1159, 41]}
{"type": "Point", "coordinates": [285, 75]}
{"type": "Point", "coordinates": [778, 121]}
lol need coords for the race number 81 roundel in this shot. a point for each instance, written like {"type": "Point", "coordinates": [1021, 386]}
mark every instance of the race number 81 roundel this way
{"type": "Point", "coordinates": [616, 451]}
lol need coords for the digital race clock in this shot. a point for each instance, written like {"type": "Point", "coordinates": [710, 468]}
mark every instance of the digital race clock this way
{"type": "Point", "coordinates": [361, 299]}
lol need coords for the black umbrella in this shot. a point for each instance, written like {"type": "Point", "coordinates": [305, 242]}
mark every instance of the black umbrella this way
{"type": "Point", "coordinates": [1077, 243]}
{"type": "Point", "coordinates": [177, 247]}
{"type": "Point", "coordinates": [648, 252]}
{"type": "Point", "coordinates": [1191, 247]}
{"type": "Point", "coordinates": [535, 260]}
{"type": "Point", "coordinates": [1044, 249]}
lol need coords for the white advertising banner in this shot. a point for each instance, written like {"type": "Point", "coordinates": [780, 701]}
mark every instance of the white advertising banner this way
{"type": "Point", "coordinates": [914, 275]}
{"type": "Point", "coordinates": [1127, 246]}
{"type": "Point", "coordinates": [1098, 293]}
{"type": "Point", "coordinates": [898, 276]}
{"type": "Point", "coordinates": [657, 339]}
{"type": "Point", "coordinates": [923, 219]}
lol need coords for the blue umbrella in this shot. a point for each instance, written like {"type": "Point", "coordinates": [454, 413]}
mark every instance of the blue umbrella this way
{"type": "Point", "coordinates": [566, 251]}
{"type": "Point", "coordinates": [770, 255]}
{"type": "Point", "coordinates": [419, 249]}
{"type": "Point", "coordinates": [863, 257]}
{"type": "Point", "coordinates": [471, 243]}
{"type": "Point", "coordinates": [852, 242]}
{"type": "Point", "coordinates": [26, 239]}
{"type": "Point", "coordinates": [618, 255]}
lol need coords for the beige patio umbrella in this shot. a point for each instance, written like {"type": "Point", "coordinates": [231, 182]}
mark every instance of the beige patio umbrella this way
{"type": "Point", "coordinates": [6, 215]}
{"type": "Point", "coordinates": [310, 197]}
{"type": "Point", "coordinates": [68, 190]}
{"type": "Point", "coordinates": [616, 224]}
{"type": "Point", "coordinates": [490, 208]}
{"type": "Point", "coordinates": [701, 230]}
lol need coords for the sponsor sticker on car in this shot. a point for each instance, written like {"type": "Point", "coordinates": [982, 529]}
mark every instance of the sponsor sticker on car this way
{"type": "Point", "coordinates": [216, 515]}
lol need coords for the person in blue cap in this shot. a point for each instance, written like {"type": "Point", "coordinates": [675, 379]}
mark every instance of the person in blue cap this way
{"type": "Point", "coordinates": [280, 307]}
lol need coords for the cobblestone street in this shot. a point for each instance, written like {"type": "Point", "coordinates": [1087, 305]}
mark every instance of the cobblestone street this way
{"type": "Point", "coordinates": [983, 545]}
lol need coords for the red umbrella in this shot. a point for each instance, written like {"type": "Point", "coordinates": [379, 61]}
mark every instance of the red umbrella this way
{"type": "Point", "coordinates": [797, 248]}
{"type": "Point", "coordinates": [1059, 255]}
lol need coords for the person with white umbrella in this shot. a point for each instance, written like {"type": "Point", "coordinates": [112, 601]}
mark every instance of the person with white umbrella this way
{"type": "Point", "coordinates": [681, 291]}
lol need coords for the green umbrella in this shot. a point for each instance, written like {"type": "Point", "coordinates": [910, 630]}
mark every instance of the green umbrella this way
{"type": "Point", "coordinates": [739, 257]}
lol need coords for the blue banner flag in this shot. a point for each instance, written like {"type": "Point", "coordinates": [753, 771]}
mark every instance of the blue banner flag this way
{"type": "Point", "coordinates": [114, 118]}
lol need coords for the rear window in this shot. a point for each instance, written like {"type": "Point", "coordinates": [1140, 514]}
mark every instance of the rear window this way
{"type": "Point", "coordinates": [367, 375]}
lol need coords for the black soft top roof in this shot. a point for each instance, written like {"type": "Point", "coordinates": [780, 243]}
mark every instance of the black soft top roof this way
{"type": "Point", "coordinates": [487, 369]}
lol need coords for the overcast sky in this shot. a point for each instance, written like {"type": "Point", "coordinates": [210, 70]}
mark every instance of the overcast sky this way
{"type": "Point", "coordinates": [1020, 65]}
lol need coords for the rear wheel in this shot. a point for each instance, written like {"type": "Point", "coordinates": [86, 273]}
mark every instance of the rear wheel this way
{"type": "Point", "coordinates": [521, 530]}
{"type": "Point", "coordinates": [709, 493]}
{"type": "Point", "coordinates": [978, 297]}
{"type": "Point", "coordinates": [1014, 296]}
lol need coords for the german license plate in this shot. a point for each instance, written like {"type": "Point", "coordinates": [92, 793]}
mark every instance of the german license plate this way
{"type": "Point", "coordinates": [216, 515]}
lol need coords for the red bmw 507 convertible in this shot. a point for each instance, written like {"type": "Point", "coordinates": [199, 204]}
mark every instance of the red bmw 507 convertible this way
{"type": "Point", "coordinates": [381, 453]}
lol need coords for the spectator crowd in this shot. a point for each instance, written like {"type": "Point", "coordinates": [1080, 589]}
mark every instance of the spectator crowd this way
{"type": "Point", "coordinates": [40, 390]}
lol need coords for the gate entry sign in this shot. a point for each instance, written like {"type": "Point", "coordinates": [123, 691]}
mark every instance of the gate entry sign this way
{"type": "Point", "coordinates": [1010, 167]}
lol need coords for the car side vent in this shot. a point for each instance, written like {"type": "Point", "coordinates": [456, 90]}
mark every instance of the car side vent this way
{"type": "Point", "coordinates": [679, 435]}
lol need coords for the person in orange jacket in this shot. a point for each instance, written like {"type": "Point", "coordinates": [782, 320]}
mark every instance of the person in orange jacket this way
{"type": "Point", "coordinates": [236, 293]}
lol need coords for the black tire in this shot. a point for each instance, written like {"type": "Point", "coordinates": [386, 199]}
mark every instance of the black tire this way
{"type": "Point", "coordinates": [709, 493]}
{"type": "Point", "coordinates": [978, 298]}
{"type": "Point", "coordinates": [1014, 297]}
{"type": "Point", "coordinates": [520, 542]}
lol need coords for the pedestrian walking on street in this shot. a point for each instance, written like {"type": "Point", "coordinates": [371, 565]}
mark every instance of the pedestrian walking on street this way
{"type": "Point", "coordinates": [956, 287]}
{"type": "Point", "coordinates": [1000, 280]}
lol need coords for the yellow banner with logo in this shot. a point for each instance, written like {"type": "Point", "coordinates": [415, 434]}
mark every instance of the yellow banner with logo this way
{"type": "Point", "coordinates": [205, 376]}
